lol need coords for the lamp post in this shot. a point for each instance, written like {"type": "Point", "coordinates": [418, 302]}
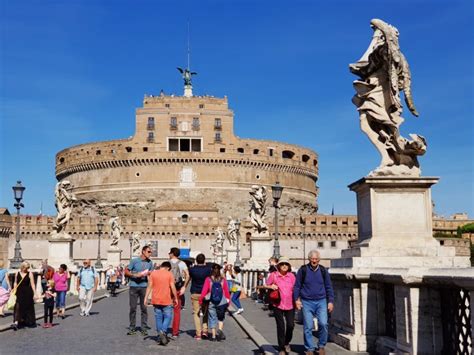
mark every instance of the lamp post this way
{"type": "Point", "coordinates": [237, 256]}
{"type": "Point", "coordinates": [18, 195]}
{"type": "Point", "coordinates": [277, 190]}
{"type": "Point", "coordinates": [130, 240]}
{"type": "Point", "coordinates": [303, 222]}
{"type": "Point", "coordinates": [98, 263]}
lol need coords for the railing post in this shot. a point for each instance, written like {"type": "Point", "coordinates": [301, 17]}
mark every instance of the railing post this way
{"type": "Point", "coordinates": [38, 288]}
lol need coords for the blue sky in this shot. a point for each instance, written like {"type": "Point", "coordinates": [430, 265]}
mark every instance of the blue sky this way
{"type": "Point", "coordinates": [73, 72]}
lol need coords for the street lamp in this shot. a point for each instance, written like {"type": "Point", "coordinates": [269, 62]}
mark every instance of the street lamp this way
{"type": "Point", "coordinates": [303, 222]}
{"type": "Point", "coordinates": [100, 227]}
{"type": "Point", "coordinates": [277, 190]}
{"type": "Point", "coordinates": [237, 231]}
{"type": "Point", "coordinates": [18, 195]}
{"type": "Point", "coordinates": [130, 240]}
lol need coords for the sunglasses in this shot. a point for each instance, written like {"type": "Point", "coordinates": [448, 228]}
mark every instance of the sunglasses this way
{"type": "Point", "coordinates": [284, 264]}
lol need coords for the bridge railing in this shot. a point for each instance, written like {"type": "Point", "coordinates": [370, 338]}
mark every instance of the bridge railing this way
{"type": "Point", "coordinates": [250, 280]}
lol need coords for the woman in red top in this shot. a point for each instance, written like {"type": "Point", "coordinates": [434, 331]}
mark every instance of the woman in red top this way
{"type": "Point", "coordinates": [216, 290]}
{"type": "Point", "coordinates": [283, 281]}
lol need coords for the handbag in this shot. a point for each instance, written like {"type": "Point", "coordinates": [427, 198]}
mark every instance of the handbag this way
{"type": "Point", "coordinates": [12, 299]}
{"type": "Point", "coordinates": [274, 297]}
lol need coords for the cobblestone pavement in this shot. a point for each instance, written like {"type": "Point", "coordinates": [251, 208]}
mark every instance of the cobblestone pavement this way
{"type": "Point", "coordinates": [104, 332]}
{"type": "Point", "coordinates": [266, 326]}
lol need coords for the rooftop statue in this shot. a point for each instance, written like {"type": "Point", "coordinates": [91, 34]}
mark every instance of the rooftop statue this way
{"type": "Point", "coordinates": [136, 244]}
{"type": "Point", "coordinates": [187, 75]}
{"type": "Point", "coordinates": [64, 204]}
{"type": "Point", "coordinates": [257, 207]}
{"type": "Point", "coordinates": [384, 74]}
{"type": "Point", "coordinates": [218, 243]}
{"type": "Point", "coordinates": [232, 232]}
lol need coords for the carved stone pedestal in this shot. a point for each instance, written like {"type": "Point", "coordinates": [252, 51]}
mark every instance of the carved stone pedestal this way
{"type": "Point", "coordinates": [113, 257]}
{"type": "Point", "coordinates": [261, 249]}
{"type": "Point", "coordinates": [383, 302]}
{"type": "Point", "coordinates": [230, 255]}
{"type": "Point", "coordinates": [60, 250]}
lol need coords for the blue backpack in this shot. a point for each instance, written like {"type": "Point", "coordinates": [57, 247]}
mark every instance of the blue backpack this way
{"type": "Point", "coordinates": [216, 292]}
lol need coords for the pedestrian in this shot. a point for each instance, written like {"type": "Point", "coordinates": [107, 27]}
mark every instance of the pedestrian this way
{"type": "Point", "coordinates": [181, 276]}
{"type": "Point", "coordinates": [47, 273]}
{"type": "Point", "coordinates": [236, 289]}
{"type": "Point", "coordinates": [48, 298]}
{"type": "Point", "coordinates": [314, 294]}
{"type": "Point", "coordinates": [87, 281]}
{"type": "Point", "coordinates": [24, 288]}
{"type": "Point", "coordinates": [61, 278]}
{"type": "Point", "coordinates": [228, 275]}
{"type": "Point", "coordinates": [260, 287]}
{"type": "Point", "coordinates": [197, 275]}
{"type": "Point", "coordinates": [4, 287]}
{"type": "Point", "coordinates": [163, 297]}
{"type": "Point", "coordinates": [284, 281]}
{"type": "Point", "coordinates": [137, 272]}
{"type": "Point", "coordinates": [111, 277]}
{"type": "Point", "coordinates": [216, 291]}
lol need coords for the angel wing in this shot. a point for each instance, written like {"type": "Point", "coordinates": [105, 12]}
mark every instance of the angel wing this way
{"type": "Point", "coordinates": [180, 70]}
{"type": "Point", "coordinates": [193, 73]}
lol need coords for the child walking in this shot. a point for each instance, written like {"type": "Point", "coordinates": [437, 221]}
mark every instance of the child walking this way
{"type": "Point", "coordinates": [49, 296]}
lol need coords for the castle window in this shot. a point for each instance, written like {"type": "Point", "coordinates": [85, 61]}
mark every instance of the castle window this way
{"type": "Point", "coordinates": [61, 160]}
{"type": "Point", "coordinates": [334, 223]}
{"type": "Point", "coordinates": [320, 245]}
{"type": "Point", "coordinates": [184, 145]}
{"type": "Point", "coordinates": [305, 158]}
{"type": "Point", "coordinates": [248, 235]}
{"type": "Point", "coordinates": [97, 152]}
{"type": "Point", "coordinates": [196, 123]}
{"type": "Point", "coordinates": [217, 123]}
{"type": "Point", "coordinates": [255, 151]}
{"type": "Point", "coordinates": [128, 149]}
{"type": "Point", "coordinates": [184, 218]}
{"type": "Point", "coordinates": [167, 105]}
{"type": "Point", "coordinates": [240, 150]}
{"type": "Point", "coordinates": [315, 162]}
{"type": "Point", "coordinates": [151, 137]}
{"type": "Point", "coordinates": [333, 243]}
{"type": "Point", "coordinates": [173, 123]}
{"type": "Point", "coordinates": [222, 150]}
{"type": "Point", "coordinates": [217, 137]}
{"type": "Point", "coordinates": [201, 105]}
{"type": "Point", "coordinates": [151, 123]}
{"type": "Point", "coordinates": [195, 145]}
{"type": "Point", "coordinates": [287, 154]}
{"type": "Point", "coordinates": [270, 152]}
{"type": "Point", "coordinates": [173, 145]}
{"type": "Point", "coordinates": [145, 149]}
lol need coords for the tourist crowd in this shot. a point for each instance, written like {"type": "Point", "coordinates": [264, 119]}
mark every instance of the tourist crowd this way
{"type": "Point", "coordinates": [212, 287]}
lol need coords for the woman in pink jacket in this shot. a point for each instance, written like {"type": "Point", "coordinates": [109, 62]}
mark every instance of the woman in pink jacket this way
{"type": "Point", "coordinates": [61, 282]}
{"type": "Point", "coordinates": [283, 281]}
{"type": "Point", "coordinates": [216, 291]}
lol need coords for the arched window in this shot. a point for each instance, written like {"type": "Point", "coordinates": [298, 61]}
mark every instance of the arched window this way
{"type": "Point", "coordinates": [184, 218]}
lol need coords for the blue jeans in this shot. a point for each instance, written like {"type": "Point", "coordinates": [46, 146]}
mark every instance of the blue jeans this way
{"type": "Point", "coordinates": [216, 313]}
{"type": "Point", "coordinates": [163, 315]}
{"type": "Point", "coordinates": [318, 309]}
{"type": "Point", "coordinates": [61, 299]}
{"type": "Point", "coordinates": [236, 300]}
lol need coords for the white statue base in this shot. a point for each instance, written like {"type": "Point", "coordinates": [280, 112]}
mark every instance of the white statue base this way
{"type": "Point", "coordinates": [114, 257]}
{"type": "Point", "coordinates": [60, 250]}
{"type": "Point", "coordinates": [261, 249]}
{"type": "Point", "coordinates": [394, 253]}
{"type": "Point", "coordinates": [231, 255]}
{"type": "Point", "coordinates": [394, 216]}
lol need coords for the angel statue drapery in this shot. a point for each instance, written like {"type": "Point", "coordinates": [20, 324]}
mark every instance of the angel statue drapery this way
{"type": "Point", "coordinates": [384, 73]}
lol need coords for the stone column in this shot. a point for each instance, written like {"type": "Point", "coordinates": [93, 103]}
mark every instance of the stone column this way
{"type": "Point", "coordinates": [113, 257]}
{"type": "Point", "coordinates": [260, 251]}
{"type": "Point", "coordinates": [61, 250]}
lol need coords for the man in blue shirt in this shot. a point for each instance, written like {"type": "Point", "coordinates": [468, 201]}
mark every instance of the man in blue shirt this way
{"type": "Point", "coordinates": [313, 292]}
{"type": "Point", "coordinates": [87, 281]}
{"type": "Point", "coordinates": [138, 271]}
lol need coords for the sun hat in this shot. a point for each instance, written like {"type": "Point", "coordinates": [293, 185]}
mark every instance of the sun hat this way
{"type": "Point", "coordinates": [284, 260]}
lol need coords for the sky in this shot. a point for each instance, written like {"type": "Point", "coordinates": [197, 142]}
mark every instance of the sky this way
{"type": "Point", "coordinates": [73, 72]}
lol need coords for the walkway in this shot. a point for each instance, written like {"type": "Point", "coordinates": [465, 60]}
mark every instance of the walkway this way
{"type": "Point", "coordinates": [104, 332]}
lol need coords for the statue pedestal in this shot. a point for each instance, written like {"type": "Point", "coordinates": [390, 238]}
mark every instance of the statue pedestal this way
{"type": "Point", "coordinates": [113, 257]}
{"type": "Point", "coordinates": [386, 269]}
{"type": "Point", "coordinates": [60, 250]}
{"type": "Point", "coordinates": [394, 217]}
{"type": "Point", "coordinates": [261, 249]}
{"type": "Point", "coordinates": [231, 255]}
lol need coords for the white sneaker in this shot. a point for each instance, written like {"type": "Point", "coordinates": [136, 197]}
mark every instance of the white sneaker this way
{"type": "Point", "coordinates": [240, 310]}
{"type": "Point", "coordinates": [82, 314]}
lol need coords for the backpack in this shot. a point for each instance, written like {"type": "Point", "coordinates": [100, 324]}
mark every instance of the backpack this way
{"type": "Point", "coordinates": [178, 279]}
{"type": "Point", "coordinates": [216, 292]}
{"type": "Point", "coordinates": [82, 268]}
